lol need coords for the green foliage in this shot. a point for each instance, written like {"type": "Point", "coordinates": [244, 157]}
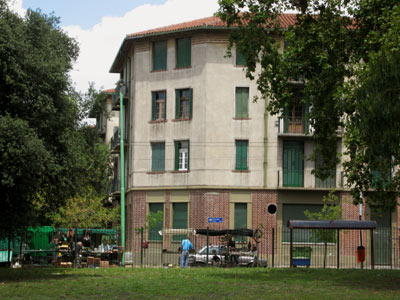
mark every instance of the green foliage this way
{"type": "Point", "coordinates": [331, 210]}
{"type": "Point", "coordinates": [94, 103]}
{"type": "Point", "coordinates": [152, 220]}
{"type": "Point", "coordinates": [46, 158]}
{"type": "Point", "coordinates": [342, 61]}
{"type": "Point", "coordinates": [85, 211]}
{"type": "Point", "coordinates": [24, 162]}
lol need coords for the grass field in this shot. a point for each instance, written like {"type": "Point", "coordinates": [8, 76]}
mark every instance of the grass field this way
{"type": "Point", "coordinates": [198, 283]}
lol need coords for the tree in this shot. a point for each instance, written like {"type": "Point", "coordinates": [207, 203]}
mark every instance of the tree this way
{"type": "Point", "coordinates": [46, 157]}
{"type": "Point", "coordinates": [330, 211]}
{"type": "Point", "coordinates": [332, 50]}
{"type": "Point", "coordinates": [85, 211]}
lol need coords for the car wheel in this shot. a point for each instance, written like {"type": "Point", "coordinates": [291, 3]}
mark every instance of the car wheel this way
{"type": "Point", "coordinates": [199, 264]}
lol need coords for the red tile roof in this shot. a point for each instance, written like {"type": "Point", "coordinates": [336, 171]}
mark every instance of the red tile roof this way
{"type": "Point", "coordinates": [285, 21]}
{"type": "Point", "coordinates": [109, 91]}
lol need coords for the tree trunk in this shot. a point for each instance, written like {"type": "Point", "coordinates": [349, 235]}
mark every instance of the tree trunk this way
{"type": "Point", "coordinates": [325, 250]}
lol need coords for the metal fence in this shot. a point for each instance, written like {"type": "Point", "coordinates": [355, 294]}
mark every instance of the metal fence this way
{"type": "Point", "coordinates": [310, 248]}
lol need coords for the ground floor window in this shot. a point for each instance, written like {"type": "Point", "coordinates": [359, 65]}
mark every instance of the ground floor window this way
{"type": "Point", "coordinates": [154, 208]}
{"type": "Point", "coordinates": [179, 219]}
{"type": "Point", "coordinates": [296, 212]}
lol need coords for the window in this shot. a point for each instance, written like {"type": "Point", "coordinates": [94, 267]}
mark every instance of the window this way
{"type": "Point", "coordinates": [160, 56]}
{"type": "Point", "coordinates": [240, 58]}
{"type": "Point", "coordinates": [154, 208]}
{"type": "Point", "coordinates": [158, 157]}
{"type": "Point", "coordinates": [328, 182]}
{"type": "Point", "coordinates": [183, 52]}
{"type": "Point", "coordinates": [241, 154]}
{"type": "Point", "coordinates": [179, 219]}
{"type": "Point", "coordinates": [293, 163]}
{"type": "Point", "coordinates": [296, 212]}
{"type": "Point", "coordinates": [242, 102]}
{"type": "Point", "coordinates": [158, 103]}
{"type": "Point", "coordinates": [240, 219]}
{"type": "Point", "coordinates": [184, 103]}
{"type": "Point", "coordinates": [181, 155]}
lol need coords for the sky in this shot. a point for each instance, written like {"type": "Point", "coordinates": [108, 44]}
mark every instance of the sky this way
{"type": "Point", "coordinates": [100, 27]}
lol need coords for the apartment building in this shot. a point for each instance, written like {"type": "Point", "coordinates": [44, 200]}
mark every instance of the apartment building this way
{"type": "Point", "coordinates": [198, 146]}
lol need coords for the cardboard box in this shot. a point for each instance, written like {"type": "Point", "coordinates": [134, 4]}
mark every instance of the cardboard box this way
{"type": "Point", "coordinates": [104, 264]}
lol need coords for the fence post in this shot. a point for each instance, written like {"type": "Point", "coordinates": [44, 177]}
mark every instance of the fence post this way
{"type": "Point", "coordinates": [372, 249]}
{"type": "Point", "coordinates": [75, 254]}
{"type": "Point", "coordinates": [141, 246]}
{"type": "Point", "coordinates": [207, 248]}
{"type": "Point", "coordinates": [273, 246]}
{"type": "Point", "coordinates": [338, 248]}
{"type": "Point", "coordinates": [291, 247]}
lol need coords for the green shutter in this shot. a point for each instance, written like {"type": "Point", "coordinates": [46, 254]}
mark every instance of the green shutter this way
{"type": "Point", "coordinates": [241, 155]}
{"type": "Point", "coordinates": [240, 58]}
{"type": "Point", "coordinates": [177, 155]}
{"type": "Point", "coordinates": [188, 143]}
{"type": "Point", "coordinates": [160, 55]}
{"type": "Point", "coordinates": [306, 121]}
{"type": "Point", "coordinates": [180, 218]}
{"type": "Point", "coordinates": [177, 103]}
{"type": "Point", "coordinates": [240, 219]}
{"type": "Point", "coordinates": [184, 52]}
{"type": "Point", "coordinates": [154, 208]}
{"type": "Point", "coordinates": [293, 163]}
{"type": "Point", "coordinates": [242, 102]}
{"type": "Point", "coordinates": [158, 157]}
{"type": "Point", "coordinates": [153, 105]}
{"type": "Point", "coordinates": [286, 121]}
{"type": "Point", "coordinates": [190, 102]}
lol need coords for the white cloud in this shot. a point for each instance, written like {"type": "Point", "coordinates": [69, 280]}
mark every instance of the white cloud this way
{"type": "Point", "coordinates": [16, 6]}
{"type": "Point", "coordinates": [100, 44]}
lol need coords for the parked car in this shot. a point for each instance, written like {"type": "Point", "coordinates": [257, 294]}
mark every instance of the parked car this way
{"type": "Point", "coordinates": [219, 255]}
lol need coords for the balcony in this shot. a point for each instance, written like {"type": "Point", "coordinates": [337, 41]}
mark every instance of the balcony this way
{"type": "Point", "coordinates": [115, 100]}
{"type": "Point", "coordinates": [305, 179]}
{"type": "Point", "coordinates": [116, 141]}
{"type": "Point", "coordinates": [115, 185]}
{"type": "Point", "coordinates": [299, 128]}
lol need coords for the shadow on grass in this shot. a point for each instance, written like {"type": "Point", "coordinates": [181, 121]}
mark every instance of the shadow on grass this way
{"type": "Point", "coordinates": [38, 274]}
{"type": "Point", "coordinates": [356, 279]}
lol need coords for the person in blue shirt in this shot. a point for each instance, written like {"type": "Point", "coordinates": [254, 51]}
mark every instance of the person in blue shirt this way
{"type": "Point", "coordinates": [186, 247]}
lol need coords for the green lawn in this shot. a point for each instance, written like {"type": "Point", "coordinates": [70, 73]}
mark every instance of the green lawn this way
{"type": "Point", "coordinates": [198, 283]}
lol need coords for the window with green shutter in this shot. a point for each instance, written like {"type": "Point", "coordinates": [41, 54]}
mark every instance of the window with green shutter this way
{"type": "Point", "coordinates": [158, 106]}
{"type": "Point", "coordinates": [240, 58]}
{"type": "Point", "coordinates": [179, 219]}
{"type": "Point", "coordinates": [181, 155]}
{"type": "Point", "coordinates": [154, 208]}
{"type": "Point", "coordinates": [159, 55]}
{"type": "Point", "coordinates": [158, 157]}
{"type": "Point", "coordinates": [242, 102]}
{"type": "Point", "coordinates": [296, 212]}
{"type": "Point", "coordinates": [241, 154]}
{"type": "Point", "coordinates": [293, 163]}
{"type": "Point", "coordinates": [183, 52]}
{"type": "Point", "coordinates": [240, 221]}
{"type": "Point", "coordinates": [183, 103]}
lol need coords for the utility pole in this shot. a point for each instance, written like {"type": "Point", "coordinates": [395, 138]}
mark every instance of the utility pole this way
{"type": "Point", "coordinates": [122, 91]}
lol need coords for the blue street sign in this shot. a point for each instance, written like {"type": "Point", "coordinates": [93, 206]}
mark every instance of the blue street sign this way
{"type": "Point", "coordinates": [214, 220]}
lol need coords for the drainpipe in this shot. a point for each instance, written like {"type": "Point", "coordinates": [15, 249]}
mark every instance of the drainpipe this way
{"type": "Point", "coordinates": [122, 90]}
{"type": "Point", "coordinates": [265, 147]}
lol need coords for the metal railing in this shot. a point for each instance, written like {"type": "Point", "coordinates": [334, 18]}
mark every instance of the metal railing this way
{"type": "Point", "coordinates": [306, 179]}
{"type": "Point", "coordinates": [311, 248]}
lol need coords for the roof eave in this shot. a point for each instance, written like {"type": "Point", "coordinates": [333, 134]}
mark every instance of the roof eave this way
{"type": "Point", "coordinates": [116, 65]}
